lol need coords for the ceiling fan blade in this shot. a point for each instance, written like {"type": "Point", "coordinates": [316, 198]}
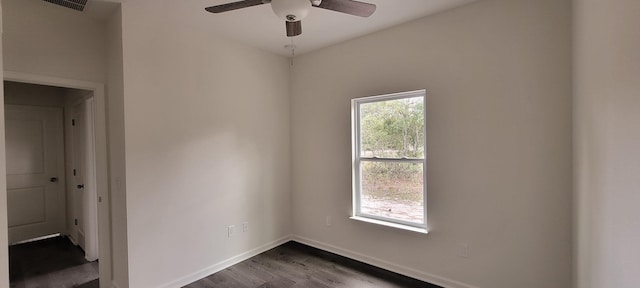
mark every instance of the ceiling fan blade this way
{"type": "Point", "coordinates": [349, 6]}
{"type": "Point", "coordinates": [294, 28]}
{"type": "Point", "coordinates": [235, 5]}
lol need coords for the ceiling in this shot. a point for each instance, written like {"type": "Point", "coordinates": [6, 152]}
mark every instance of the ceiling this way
{"type": "Point", "coordinates": [258, 26]}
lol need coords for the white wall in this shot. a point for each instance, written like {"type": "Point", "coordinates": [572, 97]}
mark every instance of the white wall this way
{"type": "Point", "coordinates": [44, 39]}
{"type": "Point", "coordinates": [607, 70]}
{"type": "Point", "coordinates": [115, 107]}
{"type": "Point", "coordinates": [498, 80]}
{"type": "Point", "coordinates": [207, 145]}
{"type": "Point", "coordinates": [17, 93]}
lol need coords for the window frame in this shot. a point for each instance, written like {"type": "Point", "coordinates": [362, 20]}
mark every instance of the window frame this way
{"type": "Point", "coordinates": [358, 159]}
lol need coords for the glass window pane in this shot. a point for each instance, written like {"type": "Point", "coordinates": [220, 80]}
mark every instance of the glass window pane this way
{"type": "Point", "coordinates": [392, 128]}
{"type": "Point", "coordinates": [393, 190]}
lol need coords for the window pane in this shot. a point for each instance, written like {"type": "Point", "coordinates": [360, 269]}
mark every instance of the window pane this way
{"type": "Point", "coordinates": [393, 190]}
{"type": "Point", "coordinates": [393, 128]}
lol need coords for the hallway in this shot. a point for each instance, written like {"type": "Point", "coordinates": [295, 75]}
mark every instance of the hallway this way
{"type": "Point", "coordinates": [53, 262]}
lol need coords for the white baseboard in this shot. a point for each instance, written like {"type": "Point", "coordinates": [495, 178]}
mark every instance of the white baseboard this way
{"type": "Point", "coordinates": [423, 276]}
{"type": "Point", "coordinates": [226, 263]}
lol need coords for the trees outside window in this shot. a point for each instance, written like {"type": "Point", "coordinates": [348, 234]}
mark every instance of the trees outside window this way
{"type": "Point", "coordinates": [389, 158]}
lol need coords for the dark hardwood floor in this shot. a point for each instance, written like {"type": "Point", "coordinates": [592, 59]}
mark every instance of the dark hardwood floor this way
{"type": "Point", "coordinates": [53, 262]}
{"type": "Point", "coordinates": [294, 265]}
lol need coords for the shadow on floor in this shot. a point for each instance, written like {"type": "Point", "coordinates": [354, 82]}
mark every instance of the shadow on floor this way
{"type": "Point", "coordinates": [91, 284]}
{"type": "Point", "coordinates": [53, 262]}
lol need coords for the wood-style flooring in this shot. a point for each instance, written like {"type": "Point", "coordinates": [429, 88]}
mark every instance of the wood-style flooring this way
{"type": "Point", "coordinates": [53, 262]}
{"type": "Point", "coordinates": [294, 265]}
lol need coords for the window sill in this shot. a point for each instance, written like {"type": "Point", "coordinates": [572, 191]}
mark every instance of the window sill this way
{"type": "Point", "coordinates": [389, 224]}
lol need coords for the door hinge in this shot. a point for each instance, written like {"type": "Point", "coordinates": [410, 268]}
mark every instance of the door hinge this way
{"type": "Point", "coordinates": [74, 172]}
{"type": "Point", "coordinates": [73, 122]}
{"type": "Point", "coordinates": [76, 222]}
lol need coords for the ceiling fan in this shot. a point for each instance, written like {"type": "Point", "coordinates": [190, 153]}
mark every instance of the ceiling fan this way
{"type": "Point", "coordinates": [293, 11]}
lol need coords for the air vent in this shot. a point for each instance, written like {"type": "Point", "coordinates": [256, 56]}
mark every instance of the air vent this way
{"type": "Point", "coordinates": [71, 4]}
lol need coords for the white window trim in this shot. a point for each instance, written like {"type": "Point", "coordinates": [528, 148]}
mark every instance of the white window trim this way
{"type": "Point", "coordinates": [357, 159]}
{"type": "Point", "coordinates": [390, 224]}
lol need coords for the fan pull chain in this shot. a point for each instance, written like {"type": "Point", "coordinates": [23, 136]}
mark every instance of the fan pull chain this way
{"type": "Point", "coordinates": [293, 51]}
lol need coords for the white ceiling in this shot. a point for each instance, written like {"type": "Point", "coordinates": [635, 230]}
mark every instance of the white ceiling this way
{"type": "Point", "coordinates": [258, 26]}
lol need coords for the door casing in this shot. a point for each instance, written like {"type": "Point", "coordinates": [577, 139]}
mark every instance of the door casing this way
{"type": "Point", "coordinates": [101, 167]}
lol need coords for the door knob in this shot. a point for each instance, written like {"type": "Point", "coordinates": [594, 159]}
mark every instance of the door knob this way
{"type": "Point", "coordinates": [53, 179]}
{"type": "Point", "coordinates": [81, 186]}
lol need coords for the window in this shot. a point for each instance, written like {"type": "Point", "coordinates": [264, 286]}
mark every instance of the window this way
{"type": "Point", "coordinates": [389, 161]}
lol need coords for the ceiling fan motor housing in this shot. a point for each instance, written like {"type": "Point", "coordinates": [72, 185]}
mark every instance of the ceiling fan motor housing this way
{"type": "Point", "coordinates": [291, 10]}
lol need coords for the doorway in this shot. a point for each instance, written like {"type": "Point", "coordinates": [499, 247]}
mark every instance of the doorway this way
{"type": "Point", "coordinates": [85, 199]}
{"type": "Point", "coordinates": [35, 168]}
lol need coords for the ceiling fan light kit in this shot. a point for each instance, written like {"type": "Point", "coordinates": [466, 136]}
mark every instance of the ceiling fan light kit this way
{"type": "Point", "coordinates": [293, 11]}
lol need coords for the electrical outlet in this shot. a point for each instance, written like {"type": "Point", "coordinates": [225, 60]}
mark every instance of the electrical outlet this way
{"type": "Point", "coordinates": [230, 230]}
{"type": "Point", "coordinates": [328, 221]}
{"type": "Point", "coordinates": [245, 226]}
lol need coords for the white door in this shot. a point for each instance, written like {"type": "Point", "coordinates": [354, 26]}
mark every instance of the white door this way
{"type": "Point", "coordinates": [35, 172]}
{"type": "Point", "coordinates": [78, 169]}
{"type": "Point", "coordinates": [85, 197]}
